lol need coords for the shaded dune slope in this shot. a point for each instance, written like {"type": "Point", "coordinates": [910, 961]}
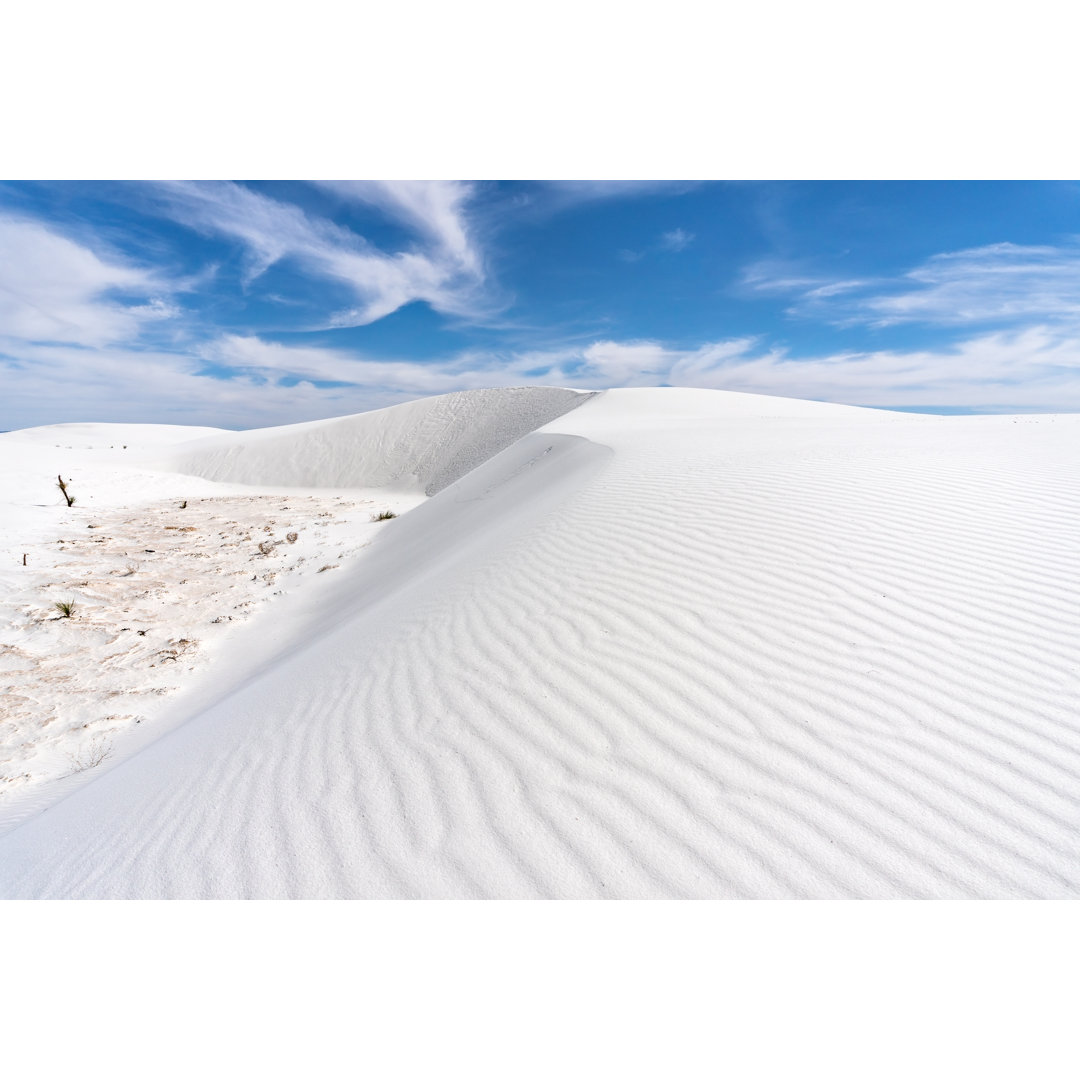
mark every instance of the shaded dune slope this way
{"type": "Point", "coordinates": [423, 445]}
{"type": "Point", "coordinates": [675, 644]}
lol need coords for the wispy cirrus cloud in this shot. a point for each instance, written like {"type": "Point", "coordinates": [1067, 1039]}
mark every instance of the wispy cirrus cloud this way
{"type": "Point", "coordinates": [543, 199]}
{"type": "Point", "coordinates": [574, 191]}
{"type": "Point", "coordinates": [676, 240]}
{"type": "Point", "coordinates": [77, 313]}
{"type": "Point", "coordinates": [465, 370]}
{"type": "Point", "coordinates": [1000, 281]}
{"type": "Point", "coordinates": [55, 289]}
{"type": "Point", "coordinates": [443, 268]}
{"type": "Point", "coordinates": [122, 385]}
{"type": "Point", "coordinates": [435, 208]}
{"type": "Point", "coordinates": [1037, 367]}
{"type": "Point", "coordinates": [996, 284]}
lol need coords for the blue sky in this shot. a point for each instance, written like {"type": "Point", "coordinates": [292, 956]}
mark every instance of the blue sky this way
{"type": "Point", "coordinates": [244, 304]}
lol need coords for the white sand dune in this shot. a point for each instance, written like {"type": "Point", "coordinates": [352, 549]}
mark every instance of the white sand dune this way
{"type": "Point", "coordinates": [423, 445]}
{"type": "Point", "coordinates": [163, 567]}
{"type": "Point", "coordinates": [672, 643]}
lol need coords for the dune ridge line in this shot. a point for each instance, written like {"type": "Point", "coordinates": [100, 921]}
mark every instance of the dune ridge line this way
{"type": "Point", "coordinates": [667, 643]}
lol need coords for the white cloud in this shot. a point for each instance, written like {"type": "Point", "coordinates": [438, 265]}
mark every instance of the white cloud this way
{"type": "Point", "coordinates": [435, 208]}
{"type": "Point", "coordinates": [247, 382]}
{"type": "Point", "coordinates": [779, 276]}
{"type": "Point", "coordinates": [618, 364]}
{"type": "Point", "coordinates": [463, 371]}
{"type": "Point", "coordinates": [53, 289]}
{"type": "Point", "coordinates": [59, 384]}
{"type": "Point", "coordinates": [577, 191]}
{"type": "Point", "coordinates": [447, 273]}
{"type": "Point", "coordinates": [676, 240]}
{"type": "Point", "coordinates": [987, 283]}
{"type": "Point", "coordinates": [999, 283]}
{"type": "Point", "coordinates": [1036, 367]}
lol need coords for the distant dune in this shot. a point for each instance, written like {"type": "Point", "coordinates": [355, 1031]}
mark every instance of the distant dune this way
{"type": "Point", "coordinates": [636, 644]}
{"type": "Point", "coordinates": [424, 445]}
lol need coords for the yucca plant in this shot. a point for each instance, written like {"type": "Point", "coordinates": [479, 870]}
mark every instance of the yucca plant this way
{"type": "Point", "coordinates": [384, 515]}
{"type": "Point", "coordinates": [65, 607]}
{"type": "Point", "coordinates": [64, 491]}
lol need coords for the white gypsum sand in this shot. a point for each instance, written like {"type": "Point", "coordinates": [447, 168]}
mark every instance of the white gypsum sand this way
{"type": "Point", "coordinates": [154, 591]}
{"type": "Point", "coordinates": [672, 643]}
{"type": "Point", "coordinates": [114, 605]}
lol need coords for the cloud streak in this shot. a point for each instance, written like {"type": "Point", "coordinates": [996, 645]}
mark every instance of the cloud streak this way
{"type": "Point", "coordinates": [676, 240]}
{"type": "Point", "coordinates": [244, 381]}
{"type": "Point", "coordinates": [435, 208]}
{"type": "Point", "coordinates": [995, 284]}
{"type": "Point", "coordinates": [108, 334]}
{"type": "Point", "coordinates": [53, 289]}
{"type": "Point", "coordinates": [443, 269]}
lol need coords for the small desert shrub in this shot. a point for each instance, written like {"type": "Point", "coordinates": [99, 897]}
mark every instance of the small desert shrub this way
{"type": "Point", "coordinates": [384, 515]}
{"type": "Point", "coordinates": [90, 756]}
{"type": "Point", "coordinates": [266, 546]}
{"type": "Point", "coordinates": [65, 607]}
{"type": "Point", "coordinates": [291, 537]}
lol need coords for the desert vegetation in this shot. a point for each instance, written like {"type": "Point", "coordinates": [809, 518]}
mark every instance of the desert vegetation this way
{"type": "Point", "coordinates": [69, 498]}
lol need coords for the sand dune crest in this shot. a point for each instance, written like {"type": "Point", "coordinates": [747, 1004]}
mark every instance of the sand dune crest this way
{"type": "Point", "coordinates": [668, 644]}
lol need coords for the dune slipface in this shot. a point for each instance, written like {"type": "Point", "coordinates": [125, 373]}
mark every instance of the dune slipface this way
{"type": "Point", "coordinates": [425, 444]}
{"type": "Point", "coordinates": [672, 643]}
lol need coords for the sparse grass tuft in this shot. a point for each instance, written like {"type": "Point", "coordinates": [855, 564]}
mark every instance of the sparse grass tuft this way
{"type": "Point", "coordinates": [384, 515]}
{"type": "Point", "coordinates": [65, 607]}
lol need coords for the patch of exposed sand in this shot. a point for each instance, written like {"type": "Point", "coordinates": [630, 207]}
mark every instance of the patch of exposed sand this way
{"type": "Point", "coordinates": [156, 589]}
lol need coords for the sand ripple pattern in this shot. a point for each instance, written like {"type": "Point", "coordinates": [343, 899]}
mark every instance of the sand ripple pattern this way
{"type": "Point", "coordinates": [703, 663]}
